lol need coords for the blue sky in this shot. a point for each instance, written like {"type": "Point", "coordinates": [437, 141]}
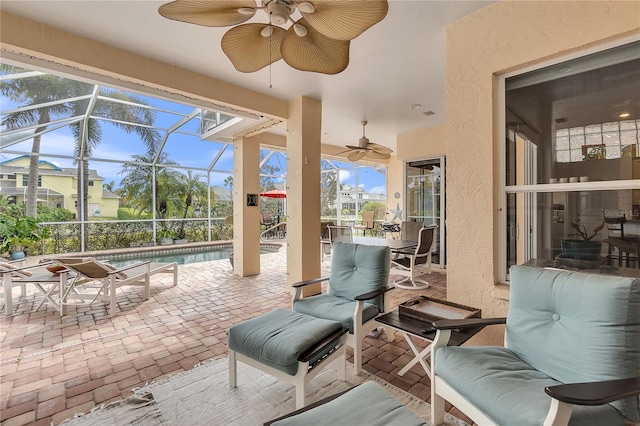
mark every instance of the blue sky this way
{"type": "Point", "coordinates": [185, 149]}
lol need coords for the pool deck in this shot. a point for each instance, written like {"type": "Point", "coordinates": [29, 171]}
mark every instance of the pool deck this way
{"type": "Point", "coordinates": [52, 367]}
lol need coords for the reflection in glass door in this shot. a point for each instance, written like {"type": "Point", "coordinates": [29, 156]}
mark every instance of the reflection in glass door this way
{"type": "Point", "coordinates": [425, 200]}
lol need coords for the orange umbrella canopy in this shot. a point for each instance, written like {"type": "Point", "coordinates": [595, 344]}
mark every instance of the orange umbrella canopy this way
{"type": "Point", "coordinates": [274, 193]}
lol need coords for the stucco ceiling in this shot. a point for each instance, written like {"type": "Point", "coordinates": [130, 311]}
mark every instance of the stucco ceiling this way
{"type": "Point", "coordinates": [395, 64]}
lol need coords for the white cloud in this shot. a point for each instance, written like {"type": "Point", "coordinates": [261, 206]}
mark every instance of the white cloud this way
{"type": "Point", "coordinates": [344, 175]}
{"type": "Point", "coordinates": [378, 190]}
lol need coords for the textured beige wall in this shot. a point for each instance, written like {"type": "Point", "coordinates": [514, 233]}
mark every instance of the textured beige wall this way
{"type": "Point", "coordinates": [423, 143]}
{"type": "Point", "coordinates": [504, 37]}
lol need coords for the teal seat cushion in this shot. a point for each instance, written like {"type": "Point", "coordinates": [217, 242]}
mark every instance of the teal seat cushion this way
{"type": "Point", "coordinates": [355, 270]}
{"type": "Point", "coordinates": [278, 338]}
{"type": "Point", "coordinates": [576, 327]}
{"type": "Point", "coordinates": [358, 269]}
{"type": "Point", "coordinates": [367, 404]}
{"type": "Point", "coordinates": [334, 308]}
{"type": "Point", "coordinates": [508, 389]}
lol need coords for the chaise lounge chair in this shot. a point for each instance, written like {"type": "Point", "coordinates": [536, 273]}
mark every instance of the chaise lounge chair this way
{"type": "Point", "coordinates": [106, 278]}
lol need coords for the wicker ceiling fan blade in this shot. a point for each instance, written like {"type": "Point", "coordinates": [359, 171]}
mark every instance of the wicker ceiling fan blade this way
{"type": "Point", "coordinates": [314, 52]}
{"type": "Point", "coordinates": [345, 19]}
{"type": "Point", "coordinates": [208, 13]}
{"type": "Point", "coordinates": [378, 155]}
{"type": "Point", "coordinates": [379, 148]}
{"type": "Point", "coordinates": [356, 148]}
{"type": "Point", "coordinates": [249, 50]}
{"type": "Point", "coordinates": [357, 155]}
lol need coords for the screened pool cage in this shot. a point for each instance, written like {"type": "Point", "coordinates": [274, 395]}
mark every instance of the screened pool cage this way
{"type": "Point", "coordinates": [106, 169]}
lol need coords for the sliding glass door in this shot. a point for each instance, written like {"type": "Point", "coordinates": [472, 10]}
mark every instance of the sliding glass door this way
{"type": "Point", "coordinates": [425, 200]}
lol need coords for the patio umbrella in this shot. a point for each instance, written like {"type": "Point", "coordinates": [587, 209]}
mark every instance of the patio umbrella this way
{"type": "Point", "coordinates": [275, 193]}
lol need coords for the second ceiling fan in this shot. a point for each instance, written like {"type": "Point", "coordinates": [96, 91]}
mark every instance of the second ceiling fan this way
{"type": "Point", "coordinates": [365, 148]}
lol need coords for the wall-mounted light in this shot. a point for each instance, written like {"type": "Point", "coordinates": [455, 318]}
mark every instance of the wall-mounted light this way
{"type": "Point", "coordinates": [624, 115]}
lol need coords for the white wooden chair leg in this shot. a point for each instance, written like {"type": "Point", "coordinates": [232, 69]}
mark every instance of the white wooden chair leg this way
{"type": "Point", "coordinates": [342, 363]}
{"type": "Point", "coordinates": [559, 413]}
{"type": "Point", "coordinates": [357, 354]}
{"type": "Point", "coordinates": [233, 370]}
{"type": "Point", "coordinates": [147, 286]}
{"type": "Point", "coordinates": [8, 297]}
{"type": "Point", "coordinates": [175, 274]}
{"type": "Point", "coordinates": [437, 408]}
{"type": "Point", "coordinates": [300, 395]}
{"type": "Point", "coordinates": [112, 297]}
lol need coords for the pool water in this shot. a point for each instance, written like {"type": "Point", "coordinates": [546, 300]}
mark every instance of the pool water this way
{"type": "Point", "coordinates": [205, 255]}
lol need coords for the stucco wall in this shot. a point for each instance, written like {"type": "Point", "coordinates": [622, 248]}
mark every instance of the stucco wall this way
{"type": "Point", "coordinates": [423, 143]}
{"type": "Point", "coordinates": [504, 37]}
{"type": "Point", "coordinates": [428, 142]}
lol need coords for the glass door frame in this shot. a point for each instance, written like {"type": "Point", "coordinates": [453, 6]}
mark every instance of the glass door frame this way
{"type": "Point", "coordinates": [441, 219]}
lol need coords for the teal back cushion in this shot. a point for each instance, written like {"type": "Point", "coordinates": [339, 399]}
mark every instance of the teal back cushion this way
{"type": "Point", "coordinates": [576, 327]}
{"type": "Point", "coordinates": [357, 269]}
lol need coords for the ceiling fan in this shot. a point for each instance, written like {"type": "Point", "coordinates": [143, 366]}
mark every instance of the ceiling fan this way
{"type": "Point", "coordinates": [317, 42]}
{"type": "Point", "coordinates": [367, 149]}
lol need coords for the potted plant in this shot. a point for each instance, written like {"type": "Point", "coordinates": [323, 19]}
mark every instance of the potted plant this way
{"type": "Point", "coordinates": [165, 235]}
{"type": "Point", "coordinates": [181, 237]}
{"type": "Point", "coordinates": [17, 234]}
{"type": "Point", "coordinates": [583, 248]}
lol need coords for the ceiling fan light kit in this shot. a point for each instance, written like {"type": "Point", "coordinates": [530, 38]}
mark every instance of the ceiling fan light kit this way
{"type": "Point", "coordinates": [317, 42]}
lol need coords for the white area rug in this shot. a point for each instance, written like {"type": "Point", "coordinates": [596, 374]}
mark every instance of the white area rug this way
{"type": "Point", "coordinates": [202, 396]}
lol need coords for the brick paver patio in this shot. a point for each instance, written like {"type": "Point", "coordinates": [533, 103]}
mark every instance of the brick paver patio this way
{"type": "Point", "coordinates": [52, 367]}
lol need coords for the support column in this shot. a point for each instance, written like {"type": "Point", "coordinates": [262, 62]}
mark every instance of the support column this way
{"type": "Point", "coordinates": [246, 219]}
{"type": "Point", "coordinates": [303, 192]}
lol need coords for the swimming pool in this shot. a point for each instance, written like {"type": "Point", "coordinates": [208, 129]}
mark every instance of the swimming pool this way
{"type": "Point", "coordinates": [183, 255]}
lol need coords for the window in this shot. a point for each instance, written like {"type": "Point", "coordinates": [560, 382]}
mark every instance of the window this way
{"type": "Point", "coordinates": [25, 180]}
{"type": "Point", "coordinates": [90, 183]}
{"type": "Point", "coordinates": [570, 155]}
{"type": "Point", "coordinates": [597, 141]}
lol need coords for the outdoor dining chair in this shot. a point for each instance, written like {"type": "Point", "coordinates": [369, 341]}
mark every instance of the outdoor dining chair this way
{"type": "Point", "coordinates": [412, 263]}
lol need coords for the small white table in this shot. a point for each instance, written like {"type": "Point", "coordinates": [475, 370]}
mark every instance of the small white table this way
{"type": "Point", "coordinates": [47, 283]}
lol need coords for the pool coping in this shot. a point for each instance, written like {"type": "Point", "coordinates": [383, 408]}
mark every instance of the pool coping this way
{"type": "Point", "coordinates": [158, 249]}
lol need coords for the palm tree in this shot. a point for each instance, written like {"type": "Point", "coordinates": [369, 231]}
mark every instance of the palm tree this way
{"type": "Point", "coordinates": [131, 109]}
{"type": "Point", "coordinates": [29, 92]}
{"type": "Point", "coordinates": [192, 189]}
{"type": "Point", "coordinates": [109, 186]}
{"type": "Point", "coordinates": [137, 184]}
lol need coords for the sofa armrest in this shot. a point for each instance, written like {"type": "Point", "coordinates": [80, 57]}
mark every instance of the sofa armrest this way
{"type": "Point", "coordinates": [466, 323]}
{"type": "Point", "coordinates": [309, 282]}
{"type": "Point", "coordinates": [373, 294]}
{"type": "Point", "coordinates": [595, 393]}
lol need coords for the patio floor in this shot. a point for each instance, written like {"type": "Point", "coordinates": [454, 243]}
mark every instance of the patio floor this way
{"type": "Point", "coordinates": [51, 368]}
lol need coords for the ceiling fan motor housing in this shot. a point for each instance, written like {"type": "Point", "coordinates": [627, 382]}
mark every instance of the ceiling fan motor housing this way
{"type": "Point", "coordinates": [278, 11]}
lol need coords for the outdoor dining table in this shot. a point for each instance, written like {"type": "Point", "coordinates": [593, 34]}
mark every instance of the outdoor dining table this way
{"type": "Point", "coordinates": [388, 242]}
{"type": "Point", "coordinates": [374, 241]}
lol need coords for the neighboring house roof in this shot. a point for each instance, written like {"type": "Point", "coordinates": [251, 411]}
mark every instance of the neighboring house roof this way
{"type": "Point", "coordinates": [42, 192]}
{"type": "Point", "coordinates": [109, 194]}
{"type": "Point", "coordinates": [44, 171]}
